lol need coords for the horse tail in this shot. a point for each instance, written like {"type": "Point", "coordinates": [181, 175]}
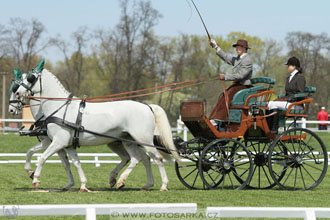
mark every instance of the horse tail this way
{"type": "Point", "coordinates": [165, 133]}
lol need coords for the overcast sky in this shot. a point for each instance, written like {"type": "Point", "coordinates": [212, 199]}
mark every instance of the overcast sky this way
{"type": "Point", "coordinates": [262, 18]}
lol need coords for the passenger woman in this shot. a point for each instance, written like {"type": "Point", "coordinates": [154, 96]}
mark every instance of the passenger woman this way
{"type": "Point", "coordinates": [295, 83]}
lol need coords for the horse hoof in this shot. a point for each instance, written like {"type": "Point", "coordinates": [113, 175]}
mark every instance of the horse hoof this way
{"type": "Point", "coordinates": [35, 185]}
{"type": "Point", "coordinates": [163, 189]}
{"type": "Point", "coordinates": [83, 190]}
{"type": "Point", "coordinates": [112, 183]}
{"type": "Point", "coordinates": [120, 185]}
{"type": "Point", "coordinates": [145, 189]}
{"type": "Point", "coordinates": [31, 175]}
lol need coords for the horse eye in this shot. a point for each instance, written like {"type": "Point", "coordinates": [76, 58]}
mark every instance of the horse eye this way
{"type": "Point", "coordinates": [31, 78]}
{"type": "Point", "coordinates": [16, 86]}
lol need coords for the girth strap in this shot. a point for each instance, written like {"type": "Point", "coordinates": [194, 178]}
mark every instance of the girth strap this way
{"type": "Point", "coordinates": [75, 140]}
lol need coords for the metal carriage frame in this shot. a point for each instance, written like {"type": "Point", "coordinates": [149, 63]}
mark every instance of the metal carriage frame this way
{"type": "Point", "coordinates": [241, 152]}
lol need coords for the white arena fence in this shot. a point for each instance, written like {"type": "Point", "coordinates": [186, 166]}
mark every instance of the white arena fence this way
{"type": "Point", "coordinates": [97, 161]}
{"type": "Point", "coordinates": [129, 211]}
{"type": "Point", "coordinates": [267, 212]}
{"type": "Point", "coordinates": [161, 211]}
{"type": "Point", "coordinates": [180, 128]}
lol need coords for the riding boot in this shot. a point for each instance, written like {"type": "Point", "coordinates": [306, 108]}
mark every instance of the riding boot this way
{"type": "Point", "coordinates": [274, 122]}
{"type": "Point", "coordinates": [268, 119]}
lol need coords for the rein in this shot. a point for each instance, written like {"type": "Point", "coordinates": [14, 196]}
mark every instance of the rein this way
{"type": "Point", "coordinates": [112, 97]}
{"type": "Point", "coordinates": [226, 100]}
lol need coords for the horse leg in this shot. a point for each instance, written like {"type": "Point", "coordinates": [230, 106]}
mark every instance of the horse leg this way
{"type": "Point", "coordinates": [76, 162]}
{"type": "Point", "coordinates": [66, 164]}
{"type": "Point", "coordinates": [146, 162]}
{"type": "Point", "coordinates": [117, 148]}
{"type": "Point", "coordinates": [135, 157]}
{"type": "Point", "coordinates": [158, 158]}
{"type": "Point", "coordinates": [36, 148]}
{"type": "Point", "coordinates": [53, 148]}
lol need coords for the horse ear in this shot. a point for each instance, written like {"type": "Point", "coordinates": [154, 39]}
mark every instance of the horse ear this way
{"type": "Point", "coordinates": [40, 66]}
{"type": "Point", "coordinates": [19, 74]}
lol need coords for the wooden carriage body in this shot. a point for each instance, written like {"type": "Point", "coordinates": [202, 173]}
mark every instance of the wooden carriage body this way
{"type": "Point", "coordinates": [242, 120]}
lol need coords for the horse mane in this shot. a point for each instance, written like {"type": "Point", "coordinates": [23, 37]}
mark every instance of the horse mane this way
{"type": "Point", "coordinates": [58, 81]}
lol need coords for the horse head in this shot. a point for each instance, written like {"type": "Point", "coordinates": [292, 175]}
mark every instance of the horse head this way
{"type": "Point", "coordinates": [15, 105]}
{"type": "Point", "coordinates": [29, 85]}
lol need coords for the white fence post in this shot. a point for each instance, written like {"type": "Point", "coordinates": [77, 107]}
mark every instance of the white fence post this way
{"type": "Point", "coordinates": [303, 122]}
{"type": "Point", "coordinates": [310, 215]}
{"type": "Point", "coordinates": [97, 164]}
{"type": "Point", "coordinates": [90, 214]}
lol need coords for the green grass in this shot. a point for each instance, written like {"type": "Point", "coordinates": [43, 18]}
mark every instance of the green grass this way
{"type": "Point", "coordinates": [15, 186]}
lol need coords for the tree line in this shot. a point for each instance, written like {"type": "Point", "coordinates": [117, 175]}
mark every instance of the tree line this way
{"type": "Point", "coordinates": [131, 56]}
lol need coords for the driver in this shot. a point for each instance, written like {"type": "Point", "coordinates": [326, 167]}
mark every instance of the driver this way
{"type": "Point", "coordinates": [241, 78]}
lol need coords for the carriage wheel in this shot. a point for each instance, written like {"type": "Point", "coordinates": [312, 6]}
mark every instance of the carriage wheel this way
{"type": "Point", "coordinates": [189, 175]}
{"type": "Point", "coordinates": [261, 178]}
{"type": "Point", "coordinates": [225, 163]}
{"type": "Point", "coordinates": [301, 154]}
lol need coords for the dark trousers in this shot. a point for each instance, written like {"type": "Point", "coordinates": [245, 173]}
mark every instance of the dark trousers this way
{"type": "Point", "coordinates": [323, 127]}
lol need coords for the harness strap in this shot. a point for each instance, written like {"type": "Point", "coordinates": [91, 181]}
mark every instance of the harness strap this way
{"type": "Point", "coordinates": [75, 140]}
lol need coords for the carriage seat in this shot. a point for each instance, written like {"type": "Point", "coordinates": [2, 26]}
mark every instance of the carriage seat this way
{"type": "Point", "coordinates": [299, 108]}
{"type": "Point", "coordinates": [307, 93]}
{"type": "Point", "coordinates": [241, 96]}
{"type": "Point", "coordinates": [263, 79]}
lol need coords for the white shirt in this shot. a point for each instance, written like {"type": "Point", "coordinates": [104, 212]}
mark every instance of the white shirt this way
{"type": "Point", "coordinates": [242, 55]}
{"type": "Point", "coordinates": [292, 74]}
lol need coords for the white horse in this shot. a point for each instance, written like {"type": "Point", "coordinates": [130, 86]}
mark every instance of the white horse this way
{"type": "Point", "coordinates": [128, 119]}
{"type": "Point", "coordinates": [15, 106]}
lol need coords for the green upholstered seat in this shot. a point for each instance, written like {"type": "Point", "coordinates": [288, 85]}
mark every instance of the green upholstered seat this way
{"type": "Point", "coordinates": [263, 79]}
{"type": "Point", "coordinates": [241, 96]}
{"type": "Point", "coordinates": [235, 115]}
{"type": "Point", "coordinates": [310, 89]}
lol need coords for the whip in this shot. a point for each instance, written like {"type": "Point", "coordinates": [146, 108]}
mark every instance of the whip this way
{"type": "Point", "coordinates": [201, 20]}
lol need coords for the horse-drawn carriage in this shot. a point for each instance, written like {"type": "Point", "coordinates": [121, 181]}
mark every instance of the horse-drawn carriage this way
{"type": "Point", "coordinates": [236, 153]}
{"type": "Point", "coordinates": [241, 152]}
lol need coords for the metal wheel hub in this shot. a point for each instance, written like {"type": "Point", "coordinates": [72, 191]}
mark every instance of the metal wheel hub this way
{"type": "Point", "coordinates": [260, 159]}
{"type": "Point", "coordinates": [225, 166]}
{"type": "Point", "coordinates": [295, 161]}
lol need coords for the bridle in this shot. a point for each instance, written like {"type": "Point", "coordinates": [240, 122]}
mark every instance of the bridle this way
{"type": "Point", "coordinates": [32, 80]}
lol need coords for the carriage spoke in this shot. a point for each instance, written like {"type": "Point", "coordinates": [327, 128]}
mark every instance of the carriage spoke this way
{"type": "Point", "coordinates": [300, 142]}
{"type": "Point", "coordinates": [263, 149]}
{"type": "Point", "coordinates": [259, 176]}
{"type": "Point", "coordinates": [194, 182]}
{"type": "Point", "coordinates": [295, 178]}
{"type": "Point", "coordinates": [190, 173]}
{"type": "Point", "coordinates": [288, 176]}
{"type": "Point", "coordinates": [231, 181]}
{"type": "Point", "coordinates": [302, 177]}
{"type": "Point", "coordinates": [292, 144]}
{"type": "Point", "coordinates": [223, 181]}
{"type": "Point", "coordinates": [246, 170]}
{"type": "Point", "coordinates": [283, 145]}
{"type": "Point", "coordinates": [313, 167]}
{"type": "Point", "coordinates": [266, 175]}
{"type": "Point", "coordinates": [309, 173]}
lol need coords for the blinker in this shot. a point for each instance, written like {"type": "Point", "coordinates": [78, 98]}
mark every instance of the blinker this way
{"type": "Point", "coordinates": [31, 78]}
{"type": "Point", "coordinates": [15, 87]}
